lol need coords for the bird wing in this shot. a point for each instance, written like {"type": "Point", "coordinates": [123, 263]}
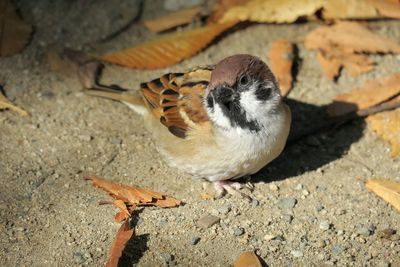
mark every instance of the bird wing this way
{"type": "Point", "coordinates": [176, 99]}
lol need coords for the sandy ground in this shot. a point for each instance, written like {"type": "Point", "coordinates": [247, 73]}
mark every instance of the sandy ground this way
{"type": "Point", "coordinates": [50, 216]}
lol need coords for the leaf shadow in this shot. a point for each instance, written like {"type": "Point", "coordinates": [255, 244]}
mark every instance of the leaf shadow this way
{"type": "Point", "coordinates": [135, 247]}
{"type": "Point", "coordinates": [307, 151]}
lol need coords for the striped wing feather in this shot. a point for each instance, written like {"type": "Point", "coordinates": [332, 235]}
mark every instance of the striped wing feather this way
{"type": "Point", "coordinates": [176, 99]}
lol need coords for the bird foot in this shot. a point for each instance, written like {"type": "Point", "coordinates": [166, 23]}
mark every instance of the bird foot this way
{"type": "Point", "coordinates": [228, 187]}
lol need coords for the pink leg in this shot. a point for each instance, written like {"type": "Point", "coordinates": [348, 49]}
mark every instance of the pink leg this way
{"type": "Point", "coordinates": [230, 187]}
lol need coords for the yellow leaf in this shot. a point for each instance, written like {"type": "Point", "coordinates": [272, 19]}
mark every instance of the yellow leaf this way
{"type": "Point", "coordinates": [344, 9]}
{"type": "Point", "coordinates": [279, 11]}
{"type": "Point", "coordinates": [389, 190]}
{"type": "Point", "coordinates": [6, 104]}
{"type": "Point", "coordinates": [168, 49]}
{"type": "Point", "coordinates": [387, 8]}
{"type": "Point", "coordinates": [387, 126]}
{"type": "Point", "coordinates": [173, 19]}
{"type": "Point", "coordinates": [247, 259]}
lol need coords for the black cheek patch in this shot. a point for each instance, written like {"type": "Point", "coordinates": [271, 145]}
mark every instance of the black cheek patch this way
{"type": "Point", "coordinates": [210, 102]}
{"type": "Point", "coordinates": [262, 93]}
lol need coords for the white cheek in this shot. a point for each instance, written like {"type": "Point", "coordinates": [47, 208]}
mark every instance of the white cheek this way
{"type": "Point", "coordinates": [251, 104]}
{"type": "Point", "coordinates": [219, 117]}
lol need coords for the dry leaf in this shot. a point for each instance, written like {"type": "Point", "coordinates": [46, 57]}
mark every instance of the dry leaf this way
{"type": "Point", "coordinates": [7, 104]}
{"type": "Point", "coordinates": [168, 49]}
{"type": "Point", "coordinates": [134, 195]}
{"type": "Point", "coordinates": [221, 6]}
{"type": "Point", "coordinates": [345, 9]}
{"type": "Point", "coordinates": [247, 259]}
{"type": "Point", "coordinates": [349, 37]}
{"type": "Point", "coordinates": [387, 8]}
{"type": "Point", "coordinates": [122, 237]}
{"type": "Point", "coordinates": [280, 57]}
{"type": "Point", "coordinates": [14, 32]}
{"type": "Point", "coordinates": [371, 93]}
{"type": "Point", "coordinates": [173, 19]}
{"type": "Point", "coordinates": [387, 126]}
{"type": "Point", "coordinates": [330, 65]}
{"type": "Point", "coordinates": [389, 190]}
{"type": "Point", "coordinates": [278, 11]}
{"type": "Point", "coordinates": [122, 207]}
{"type": "Point", "coordinates": [355, 64]}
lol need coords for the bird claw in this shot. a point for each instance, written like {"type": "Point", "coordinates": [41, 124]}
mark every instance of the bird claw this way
{"type": "Point", "coordinates": [228, 187]}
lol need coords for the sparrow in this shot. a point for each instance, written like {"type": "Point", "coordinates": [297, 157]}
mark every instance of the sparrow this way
{"type": "Point", "coordinates": [219, 122]}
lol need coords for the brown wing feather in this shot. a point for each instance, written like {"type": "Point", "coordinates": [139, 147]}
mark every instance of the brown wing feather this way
{"type": "Point", "coordinates": [176, 99]}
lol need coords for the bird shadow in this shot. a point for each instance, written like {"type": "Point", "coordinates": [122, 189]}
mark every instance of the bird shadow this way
{"type": "Point", "coordinates": [307, 150]}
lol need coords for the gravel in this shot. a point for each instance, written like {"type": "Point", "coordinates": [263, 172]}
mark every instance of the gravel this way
{"type": "Point", "coordinates": [324, 225]}
{"type": "Point", "coordinates": [207, 221]}
{"type": "Point", "coordinates": [297, 253]}
{"type": "Point", "coordinates": [287, 203]}
{"type": "Point", "coordinates": [238, 231]}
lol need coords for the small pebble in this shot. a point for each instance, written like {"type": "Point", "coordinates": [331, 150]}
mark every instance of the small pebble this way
{"type": "Point", "coordinates": [269, 237]}
{"type": "Point", "coordinates": [273, 187]}
{"type": "Point", "coordinates": [364, 231]}
{"type": "Point", "coordinates": [305, 193]}
{"type": "Point", "coordinates": [194, 240]}
{"type": "Point", "coordinates": [254, 203]}
{"type": "Point", "coordinates": [224, 209]}
{"type": "Point", "coordinates": [299, 187]}
{"type": "Point", "coordinates": [287, 203]}
{"type": "Point", "coordinates": [78, 257]}
{"type": "Point", "coordinates": [85, 137]}
{"type": "Point", "coordinates": [238, 231]}
{"type": "Point", "coordinates": [296, 253]}
{"type": "Point", "coordinates": [207, 221]}
{"type": "Point", "coordinates": [337, 249]}
{"type": "Point", "coordinates": [167, 257]}
{"type": "Point", "coordinates": [324, 225]}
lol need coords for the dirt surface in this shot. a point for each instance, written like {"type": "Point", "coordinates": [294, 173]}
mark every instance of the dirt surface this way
{"type": "Point", "coordinates": [311, 207]}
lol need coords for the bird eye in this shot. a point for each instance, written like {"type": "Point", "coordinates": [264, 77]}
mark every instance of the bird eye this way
{"type": "Point", "coordinates": [244, 80]}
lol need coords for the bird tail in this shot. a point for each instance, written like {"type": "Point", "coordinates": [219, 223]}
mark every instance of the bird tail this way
{"type": "Point", "coordinates": [135, 101]}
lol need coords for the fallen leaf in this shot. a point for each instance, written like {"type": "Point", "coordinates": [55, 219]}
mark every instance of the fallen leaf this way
{"type": "Point", "coordinates": [355, 64]}
{"type": "Point", "coordinates": [278, 11]}
{"type": "Point", "coordinates": [330, 65]}
{"type": "Point", "coordinates": [280, 57]}
{"type": "Point", "coordinates": [345, 9]}
{"type": "Point", "coordinates": [349, 37]}
{"type": "Point", "coordinates": [7, 104]}
{"type": "Point", "coordinates": [134, 195]}
{"type": "Point", "coordinates": [387, 8]}
{"type": "Point", "coordinates": [173, 19]}
{"type": "Point", "coordinates": [167, 49]}
{"type": "Point", "coordinates": [14, 32]}
{"type": "Point", "coordinates": [121, 239]}
{"type": "Point", "coordinates": [221, 6]}
{"type": "Point", "coordinates": [387, 126]}
{"type": "Point", "coordinates": [389, 190]}
{"type": "Point", "coordinates": [371, 93]}
{"type": "Point", "coordinates": [247, 259]}
{"type": "Point", "coordinates": [122, 207]}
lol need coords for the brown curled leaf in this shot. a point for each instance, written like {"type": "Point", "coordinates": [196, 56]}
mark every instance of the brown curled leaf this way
{"type": "Point", "coordinates": [280, 57]}
{"type": "Point", "coordinates": [389, 190]}
{"type": "Point", "coordinates": [387, 8]}
{"type": "Point", "coordinates": [167, 49]}
{"type": "Point", "coordinates": [124, 234]}
{"type": "Point", "coordinates": [134, 195]}
{"type": "Point", "coordinates": [371, 93]}
{"type": "Point", "coordinates": [349, 37]}
{"type": "Point", "coordinates": [345, 9]}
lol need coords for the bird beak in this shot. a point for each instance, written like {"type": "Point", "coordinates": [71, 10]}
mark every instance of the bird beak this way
{"type": "Point", "coordinates": [225, 94]}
